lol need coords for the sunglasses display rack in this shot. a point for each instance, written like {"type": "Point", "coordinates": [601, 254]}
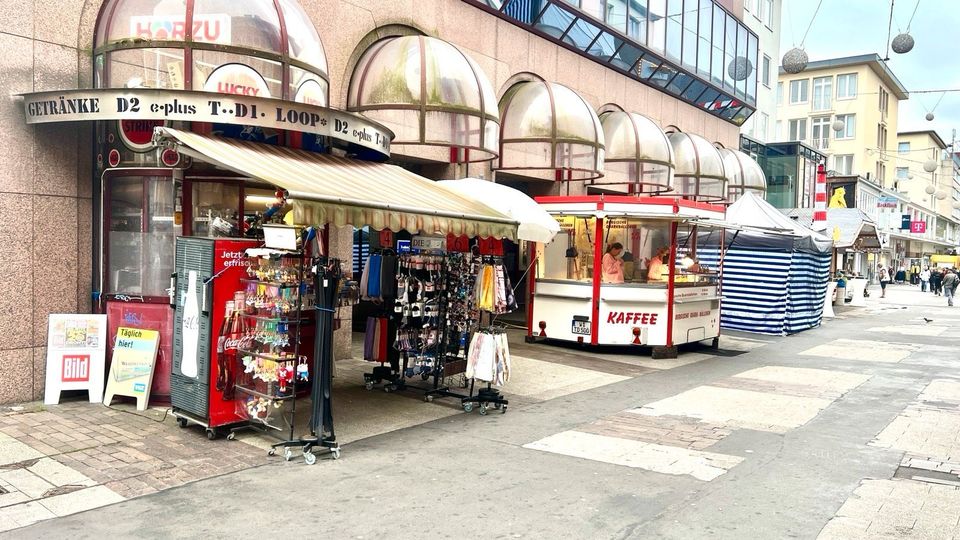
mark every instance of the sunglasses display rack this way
{"type": "Point", "coordinates": [426, 338]}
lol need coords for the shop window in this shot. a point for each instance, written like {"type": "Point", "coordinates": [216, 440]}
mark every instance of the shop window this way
{"type": "Point", "coordinates": [146, 68]}
{"type": "Point", "coordinates": [696, 244]}
{"type": "Point", "coordinates": [570, 257]}
{"type": "Point", "coordinates": [140, 235]}
{"type": "Point", "coordinates": [216, 209]}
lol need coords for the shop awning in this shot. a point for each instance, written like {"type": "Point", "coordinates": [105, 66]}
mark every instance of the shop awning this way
{"type": "Point", "coordinates": [857, 231]}
{"type": "Point", "coordinates": [340, 191]}
{"type": "Point", "coordinates": [536, 225]}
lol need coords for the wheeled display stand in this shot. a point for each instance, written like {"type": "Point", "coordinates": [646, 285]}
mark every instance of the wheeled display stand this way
{"type": "Point", "coordinates": [327, 279]}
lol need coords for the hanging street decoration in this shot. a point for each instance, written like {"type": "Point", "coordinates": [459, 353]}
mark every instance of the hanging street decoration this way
{"type": "Point", "coordinates": [795, 60]}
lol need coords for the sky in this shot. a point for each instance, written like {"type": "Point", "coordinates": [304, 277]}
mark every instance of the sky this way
{"type": "Point", "coordinates": [853, 27]}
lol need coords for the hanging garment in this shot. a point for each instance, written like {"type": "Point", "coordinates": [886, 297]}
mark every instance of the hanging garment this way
{"type": "Point", "coordinates": [388, 275]}
{"type": "Point", "coordinates": [373, 282]}
{"type": "Point", "coordinates": [487, 297]}
{"type": "Point", "coordinates": [511, 296]}
{"type": "Point", "coordinates": [365, 280]}
{"type": "Point", "coordinates": [370, 338]}
{"type": "Point", "coordinates": [500, 293]}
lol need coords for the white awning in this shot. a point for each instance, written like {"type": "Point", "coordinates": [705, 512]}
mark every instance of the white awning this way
{"type": "Point", "coordinates": [536, 224]}
{"type": "Point", "coordinates": [340, 191]}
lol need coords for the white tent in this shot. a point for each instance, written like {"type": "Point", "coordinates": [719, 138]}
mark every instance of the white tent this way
{"type": "Point", "coordinates": [775, 271]}
{"type": "Point", "coordinates": [536, 225]}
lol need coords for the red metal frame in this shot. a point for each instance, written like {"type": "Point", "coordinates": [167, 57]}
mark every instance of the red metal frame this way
{"type": "Point", "coordinates": [531, 286]}
{"type": "Point", "coordinates": [676, 202]}
{"type": "Point", "coordinates": [670, 285]}
{"type": "Point", "coordinates": [597, 275]}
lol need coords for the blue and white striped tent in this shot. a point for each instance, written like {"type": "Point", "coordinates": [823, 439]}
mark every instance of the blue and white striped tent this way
{"type": "Point", "coordinates": [775, 271]}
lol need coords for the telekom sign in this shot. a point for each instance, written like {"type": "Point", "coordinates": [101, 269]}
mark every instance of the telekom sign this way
{"type": "Point", "coordinates": [919, 227]}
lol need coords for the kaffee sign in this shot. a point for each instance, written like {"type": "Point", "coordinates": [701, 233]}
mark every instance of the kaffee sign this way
{"type": "Point", "coordinates": [195, 106]}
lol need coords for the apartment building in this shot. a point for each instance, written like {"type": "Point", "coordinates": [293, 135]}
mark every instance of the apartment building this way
{"type": "Point", "coordinates": [763, 18]}
{"type": "Point", "coordinates": [858, 93]}
{"type": "Point", "coordinates": [932, 195]}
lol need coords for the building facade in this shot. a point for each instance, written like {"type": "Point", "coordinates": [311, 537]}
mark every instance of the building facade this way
{"type": "Point", "coordinates": [857, 94]}
{"type": "Point", "coordinates": [689, 65]}
{"type": "Point", "coordinates": [764, 18]}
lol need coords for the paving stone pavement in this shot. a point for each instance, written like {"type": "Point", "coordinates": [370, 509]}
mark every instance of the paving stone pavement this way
{"type": "Point", "coordinates": [72, 457]}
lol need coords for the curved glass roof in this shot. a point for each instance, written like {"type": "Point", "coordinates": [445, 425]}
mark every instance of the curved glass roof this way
{"type": "Point", "coordinates": [638, 153]}
{"type": "Point", "coordinates": [429, 93]}
{"type": "Point", "coordinates": [276, 39]}
{"type": "Point", "coordinates": [699, 174]}
{"type": "Point", "coordinates": [743, 174]}
{"type": "Point", "coordinates": [549, 132]}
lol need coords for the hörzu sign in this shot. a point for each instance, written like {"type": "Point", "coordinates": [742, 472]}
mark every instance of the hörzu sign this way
{"type": "Point", "coordinates": [196, 106]}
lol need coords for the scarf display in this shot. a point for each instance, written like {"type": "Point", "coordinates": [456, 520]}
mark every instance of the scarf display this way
{"type": "Point", "coordinates": [489, 358]}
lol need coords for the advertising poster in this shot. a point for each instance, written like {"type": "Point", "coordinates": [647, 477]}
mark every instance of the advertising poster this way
{"type": "Point", "coordinates": [76, 351]}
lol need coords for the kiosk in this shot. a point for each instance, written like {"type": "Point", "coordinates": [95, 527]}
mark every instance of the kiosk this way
{"type": "Point", "coordinates": [654, 293]}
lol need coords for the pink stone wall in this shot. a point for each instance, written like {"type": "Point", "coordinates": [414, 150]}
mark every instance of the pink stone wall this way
{"type": "Point", "coordinates": [46, 178]}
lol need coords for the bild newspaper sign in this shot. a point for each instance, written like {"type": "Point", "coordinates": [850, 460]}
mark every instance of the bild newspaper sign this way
{"type": "Point", "coordinates": [196, 106]}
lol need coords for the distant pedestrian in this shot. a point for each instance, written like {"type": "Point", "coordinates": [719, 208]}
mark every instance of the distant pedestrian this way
{"type": "Point", "coordinates": [924, 279]}
{"type": "Point", "coordinates": [914, 274]}
{"type": "Point", "coordinates": [950, 282]}
{"type": "Point", "coordinates": [936, 281]}
{"type": "Point", "coordinates": [883, 275]}
{"type": "Point", "coordinates": [901, 274]}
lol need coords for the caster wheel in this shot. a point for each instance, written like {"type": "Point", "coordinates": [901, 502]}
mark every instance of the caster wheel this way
{"type": "Point", "coordinates": [272, 452]}
{"type": "Point", "coordinates": [387, 389]}
{"type": "Point", "coordinates": [497, 406]}
{"type": "Point", "coordinates": [503, 410]}
{"type": "Point", "coordinates": [309, 458]}
{"type": "Point", "coordinates": [424, 376]}
{"type": "Point", "coordinates": [335, 452]}
{"type": "Point", "coordinates": [467, 407]}
{"type": "Point", "coordinates": [211, 434]}
{"type": "Point", "coordinates": [369, 385]}
{"type": "Point", "coordinates": [483, 410]}
{"type": "Point", "coordinates": [182, 422]}
{"type": "Point", "coordinates": [428, 399]}
{"type": "Point", "coordinates": [232, 436]}
{"type": "Point", "coordinates": [287, 454]}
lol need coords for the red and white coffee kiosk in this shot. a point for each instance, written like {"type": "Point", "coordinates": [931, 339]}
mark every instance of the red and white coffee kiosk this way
{"type": "Point", "coordinates": [666, 298]}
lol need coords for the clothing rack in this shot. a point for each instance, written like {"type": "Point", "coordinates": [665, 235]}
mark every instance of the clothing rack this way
{"type": "Point", "coordinates": [487, 395]}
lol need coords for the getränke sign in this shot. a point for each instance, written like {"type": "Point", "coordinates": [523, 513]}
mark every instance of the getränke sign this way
{"type": "Point", "coordinates": [196, 106]}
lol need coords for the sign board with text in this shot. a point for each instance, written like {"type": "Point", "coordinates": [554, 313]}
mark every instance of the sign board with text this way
{"type": "Point", "coordinates": [428, 243]}
{"type": "Point", "coordinates": [197, 106]}
{"type": "Point", "coordinates": [918, 227]}
{"type": "Point", "coordinates": [134, 359]}
{"type": "Point", "coordinates": [76, 351]}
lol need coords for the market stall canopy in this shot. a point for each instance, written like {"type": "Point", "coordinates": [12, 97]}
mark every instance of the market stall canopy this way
{"type": "Point", "coordinates": [638, 154]}
{"type": "Point", "coordinates": [430, 94]}
{"type": "Point", "coordinates": [536, 225]}
{"type": "Point", "coordinates": [744, 175]}
{"type": "Point", "coordinates": [340, 191]}
{"type": "Point", "coordinates": [758, 216]}
{"type": "Point", "coordinates": [549, 133]}
{"type": "Point", "coordinates": [699, 175]}
{"type": "Point", "coordinates": [857, 231]}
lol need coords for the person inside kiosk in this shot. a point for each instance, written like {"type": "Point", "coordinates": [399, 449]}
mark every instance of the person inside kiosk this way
{"type": "Point", "coordinates": [645, 242]}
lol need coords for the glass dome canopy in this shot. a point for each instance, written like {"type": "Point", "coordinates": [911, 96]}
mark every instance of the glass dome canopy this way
{"type": "Point", "coordinates": [743, 174]}
{"type": "Point", "coordinates": [699, 175]}
{"type": "Point", "coordinates": [638, 153]}
{"type": "Point", "coordinates": [149, 43]}
{"type": "Point", "coordinates": [550, 133]}
{"type": "Point", "coordinates": [429, 93]}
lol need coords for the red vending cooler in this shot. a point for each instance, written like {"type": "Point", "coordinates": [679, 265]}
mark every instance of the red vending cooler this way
{"type": "Point", "coordinates": [208, 273]}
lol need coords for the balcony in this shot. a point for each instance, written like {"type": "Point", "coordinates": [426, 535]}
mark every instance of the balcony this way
{"type": "Point", "coordinates": [695, 51]}
{"type": "Point", "coordinates": [821, 144]}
